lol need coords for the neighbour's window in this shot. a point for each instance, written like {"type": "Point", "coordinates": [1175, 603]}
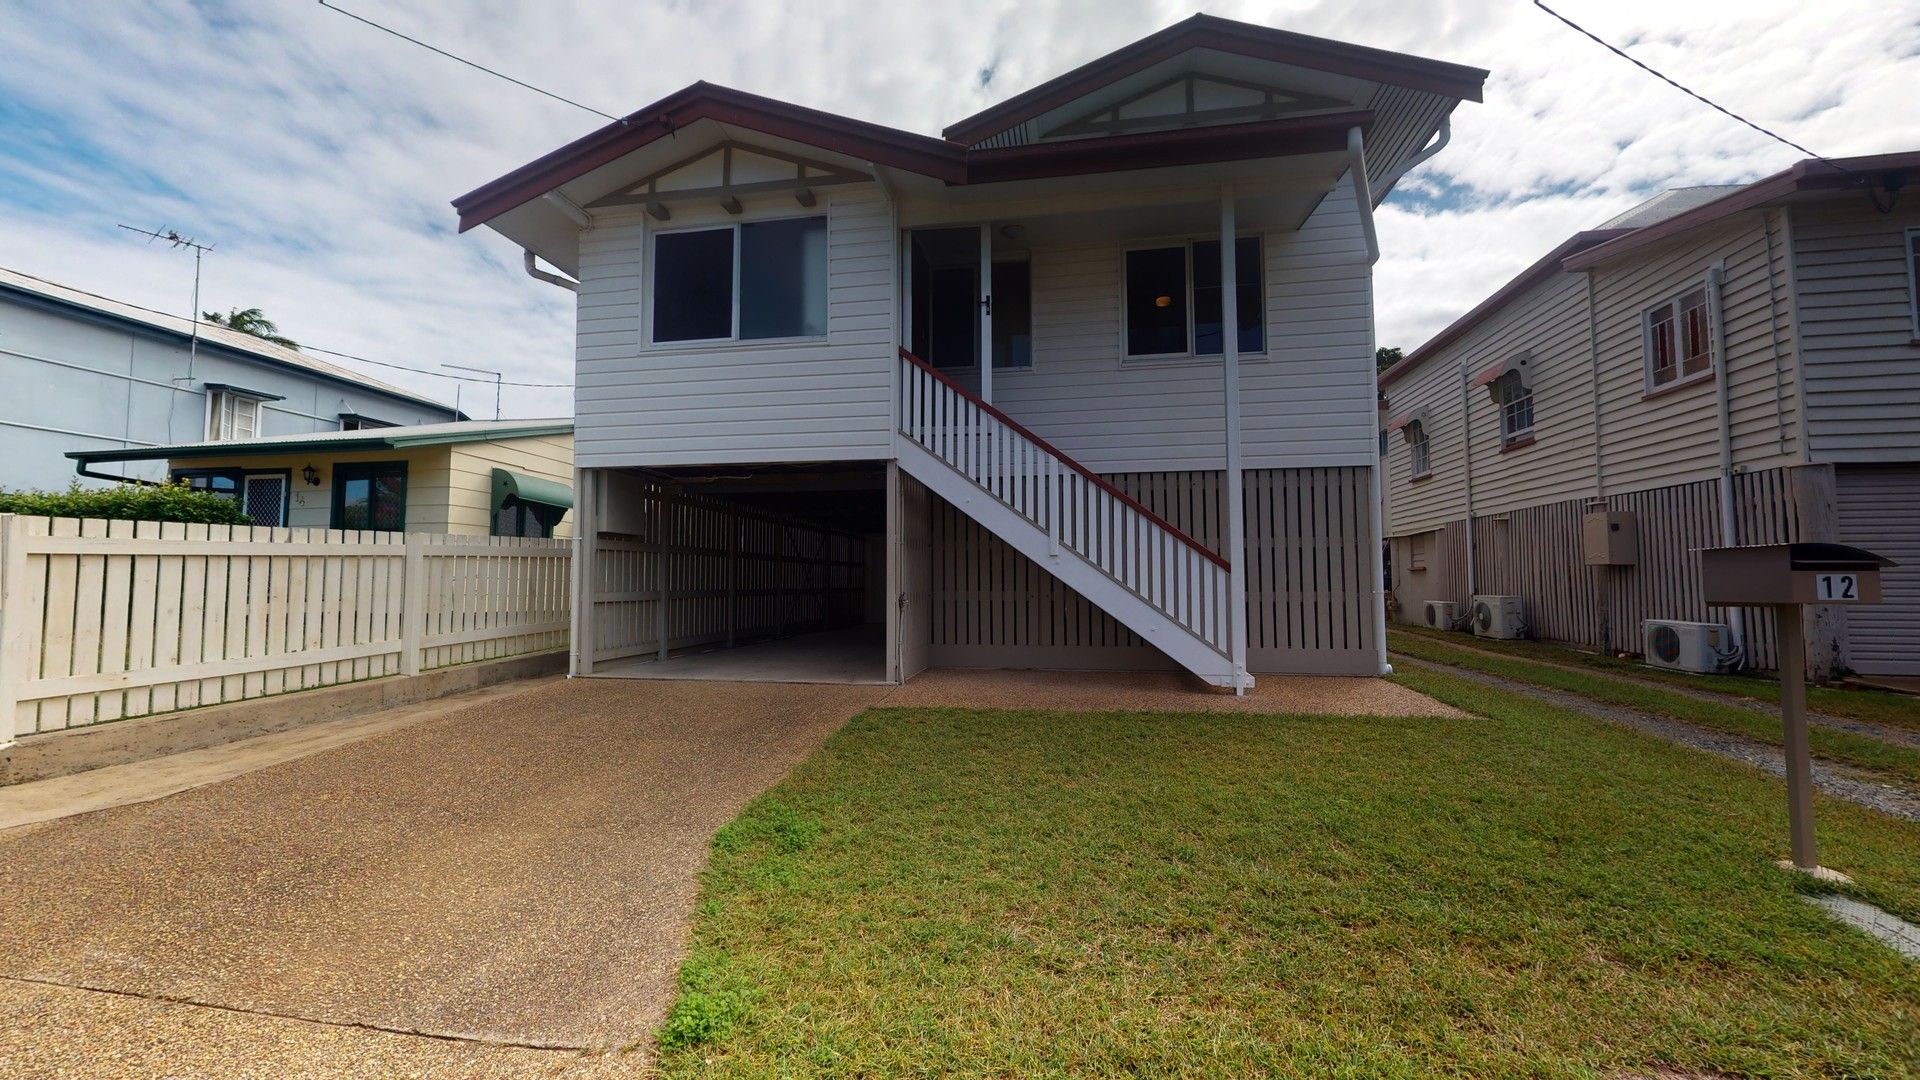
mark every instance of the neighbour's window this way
{"type": "Point", "coordinates": [1516, 407]}
{"type": "Point", "coordinates": [1174, 299]}
{"type": "Point", "coordinates": [1678, 345]}
{"type": "Point", "coordinates": [222, 482]}
{"type": "Point", "coordinates": [1012, 315]}
{"type": "Point", "coordinates": [370, 495]}
{"type": "Point", "coordinates": [1418, 449]}
{"type": "Point", "coordinates": [356, 422]}
{"type": "Point", "coordinates": [1913, 278]}
{"type": "Point", "coordinates": [517, 517]}
{"type": "Point", "coordinates": [752, 281]}
{"type": "Point", "coordinates": [232, 416]}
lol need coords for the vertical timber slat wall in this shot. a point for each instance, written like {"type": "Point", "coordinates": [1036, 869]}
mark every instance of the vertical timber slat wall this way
{"type": "Point", "coordinates": [732, 574]}
{"type": "Point", "coordinates": [1308, 592]}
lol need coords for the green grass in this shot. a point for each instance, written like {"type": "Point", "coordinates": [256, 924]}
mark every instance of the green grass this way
{"type": "Point", "coordinates": [1873, 706]}
{"type": "Point", "coordinates": [1892, 761]}
{"type": "Point", "coordinates": [1526, 892]}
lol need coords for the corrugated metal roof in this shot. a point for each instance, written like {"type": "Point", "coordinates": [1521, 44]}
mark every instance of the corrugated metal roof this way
{"type": "Point", "coordinates": [461, 431]}
{"type": "Point", "coordinates": [219, 335]}
{"type": "Point", "coordinates": [1669, 203]}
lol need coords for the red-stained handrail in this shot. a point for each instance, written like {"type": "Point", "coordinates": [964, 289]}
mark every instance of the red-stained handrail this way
{"type": "Point", "coordinates": [1093, 478]}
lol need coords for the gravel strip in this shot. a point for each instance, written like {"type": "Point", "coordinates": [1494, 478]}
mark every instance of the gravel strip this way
{"type": "Point", "coordinates": [1837, 781]}
{"type": "Point", "coordinates": [1900, 736]}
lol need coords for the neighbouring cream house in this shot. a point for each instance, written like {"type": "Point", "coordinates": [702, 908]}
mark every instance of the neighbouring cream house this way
{"type": "Point", "coordinates": [472, 477]}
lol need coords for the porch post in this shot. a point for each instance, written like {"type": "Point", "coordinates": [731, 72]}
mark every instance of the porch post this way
{"type": "Point", "coordinates": [1236, 494]}
{"type": "Point", "coordinates": [986, 313]}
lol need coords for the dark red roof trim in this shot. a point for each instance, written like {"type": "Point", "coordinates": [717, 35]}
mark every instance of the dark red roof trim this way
{"type": "Point", "coordinates": [705, 101]}
{"type": "Point", "coordinates": [1813, 174]}
{"type": "Point", "coordinates": [1547, 266]}
{"type": "Point", "coordinates": [1224, 35]}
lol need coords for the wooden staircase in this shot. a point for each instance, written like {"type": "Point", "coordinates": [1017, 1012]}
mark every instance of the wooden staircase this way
{"type": "Point", "coordinates": [1156, 580]}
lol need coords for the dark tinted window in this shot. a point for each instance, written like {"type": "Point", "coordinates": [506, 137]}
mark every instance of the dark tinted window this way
{"type": "Point", "coordinates": [370, 496]}
{"type": "Point", "coordinates": [783, 278]}
{"type": "Point", "coordinates": [693, 285]}
{"type": "Point", "coordinates": [1012, 315]}
{"type": "Point", "coordinates": [1157, 301]}
{"type": "Point", "coordinates": [1206, 296]}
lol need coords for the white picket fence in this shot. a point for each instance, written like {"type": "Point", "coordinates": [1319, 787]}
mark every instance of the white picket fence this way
{"type": "Point", "coordinates": [106, 620]}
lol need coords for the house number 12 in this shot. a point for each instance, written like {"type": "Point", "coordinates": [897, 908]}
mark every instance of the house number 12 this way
{"type": "Point", "coordinates": [1837, 588]}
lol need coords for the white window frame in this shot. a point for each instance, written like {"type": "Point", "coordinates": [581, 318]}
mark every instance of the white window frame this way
{"type": "Point", "coordinates": [1680, 375]}
{"type": "Point", "coordinates": [1911, 240]}
{"type": "Point", "coordinates": [221, 422]}
{"type": "Point", "coordinates": [1189, 356]}
{"type": "Point", "coordinates": [646, 285]}
{"type": "Point", "coordinates": [1513, 377]}
{"type": "Point", "coordinates": [1420, 450]}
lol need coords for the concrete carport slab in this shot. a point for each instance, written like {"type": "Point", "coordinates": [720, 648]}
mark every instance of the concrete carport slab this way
{"type": "Point", "coordinates": [516, 873]}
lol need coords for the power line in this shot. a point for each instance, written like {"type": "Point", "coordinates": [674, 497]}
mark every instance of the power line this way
{"type": "Point", "coordinates": [1617, 51]}
{"type": "Point", "coordinates": [463, 60]}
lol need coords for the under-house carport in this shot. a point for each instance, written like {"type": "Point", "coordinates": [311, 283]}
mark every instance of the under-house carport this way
{"type": "Point", "coordinates": [761, 573]}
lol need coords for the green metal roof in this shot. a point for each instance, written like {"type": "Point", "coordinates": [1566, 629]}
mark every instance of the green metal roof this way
{"type": "Point", "coordinates": [316, 442]}
{"type": "Point", "coordinates": [509, 484]}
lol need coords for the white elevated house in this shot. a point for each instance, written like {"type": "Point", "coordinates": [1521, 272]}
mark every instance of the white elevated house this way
{"type": "Point", "coordinates": [969, 400]}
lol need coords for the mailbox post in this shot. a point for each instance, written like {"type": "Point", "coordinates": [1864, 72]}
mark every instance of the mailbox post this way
{"type": "Point", "coordinates": [1787, 577]}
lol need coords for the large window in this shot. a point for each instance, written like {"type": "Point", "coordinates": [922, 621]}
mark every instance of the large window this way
{"type": "Point", "coordinates": [1174, 299]}
{"type": "Point", "coordinates": [1516, 408]}
{"type": "Point", "coordinates": [261, 493]}
{"type": "Point", "coordinates": [370, 495]}
{"type": "Point", "coordinates": [1012, 315]}
{"type": "Point", "coordinates": [232, 416]}
{"type": "Point", "coordinates": [754, 281]}
{"type": "Point", "coordinates": [1679, 346]}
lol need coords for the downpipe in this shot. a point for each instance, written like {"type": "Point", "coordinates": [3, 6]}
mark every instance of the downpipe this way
{"type": "Point", "coordinates": [537, 274]}
{"type": "Point", "coordinates": [1729, 531]}
{"type": "Point", "coordinates": [1363, 203]}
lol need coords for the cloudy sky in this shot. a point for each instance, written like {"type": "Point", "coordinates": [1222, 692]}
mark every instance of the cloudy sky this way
{"type": "Point", "coordinates": [319, 156]}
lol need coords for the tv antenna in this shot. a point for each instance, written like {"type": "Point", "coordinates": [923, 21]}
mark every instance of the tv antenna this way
{"type": "Point", "coordinates": [176, 241]}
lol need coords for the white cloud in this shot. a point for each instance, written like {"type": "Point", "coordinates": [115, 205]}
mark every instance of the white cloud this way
{"type": "Point", "coordinates": [320, 155]}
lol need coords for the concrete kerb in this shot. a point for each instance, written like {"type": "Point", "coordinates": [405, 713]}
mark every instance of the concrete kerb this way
{"type": "Point", "coordinates": [38, 757]}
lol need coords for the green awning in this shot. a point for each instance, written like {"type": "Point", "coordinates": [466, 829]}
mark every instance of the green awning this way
{"type": "Point", "coordinates": [531, 489]}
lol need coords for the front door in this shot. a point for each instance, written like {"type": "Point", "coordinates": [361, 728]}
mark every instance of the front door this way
{"type": "Point", "coordinates": [946, 297]}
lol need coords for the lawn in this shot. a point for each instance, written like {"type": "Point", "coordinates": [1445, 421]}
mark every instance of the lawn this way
{"type": "Point", "coordinates": [1522, 892]}
{"type": "Point", "coordinates": [1896, 763]}
{"type": "Point", "coordinates": [1875, 706]}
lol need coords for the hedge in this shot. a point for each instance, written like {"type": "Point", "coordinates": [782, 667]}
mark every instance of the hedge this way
{"type": "Point", "coordinates": [127, 502]}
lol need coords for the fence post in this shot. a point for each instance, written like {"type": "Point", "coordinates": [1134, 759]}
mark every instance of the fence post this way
{"type": "Point", "coordinates": [14, 643]}
{"type": "Point", "coordinates": [413, 604]}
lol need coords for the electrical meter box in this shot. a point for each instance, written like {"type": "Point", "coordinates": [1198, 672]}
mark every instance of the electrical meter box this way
{"type": "Point", "coordinates": [1610, 538]}
{"type": "Point", "coordinates": [1791, 574]}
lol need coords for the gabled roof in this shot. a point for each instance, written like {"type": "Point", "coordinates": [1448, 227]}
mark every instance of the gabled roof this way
{"type": "Point", "coordinates": [1668, 203]}
{"type": "Point", "coordinates": [956, 160]}
{"type": "Point", "coordinates": [341, 442]}
{"type": "Point", "coordinates": [1547, 266]}
{"type": "Point", "coordinates": [1230, 36]}
{"type": "Point", "coordinates": [231, 341]}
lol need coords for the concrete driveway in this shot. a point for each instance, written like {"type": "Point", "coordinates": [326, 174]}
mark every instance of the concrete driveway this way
{"type": "Point", "coordinates": [487, 893]}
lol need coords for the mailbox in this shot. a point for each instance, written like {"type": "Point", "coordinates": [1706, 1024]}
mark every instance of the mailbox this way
{"type": "Point", "coordinates": [1767, 574]}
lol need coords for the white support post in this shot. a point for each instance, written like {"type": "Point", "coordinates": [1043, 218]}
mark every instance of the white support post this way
{"type": "Point", "coordinates": [1054, 503]}
{"type": "Point", "coordinates": [587, 498]}
{"type": "Point", "coordinates": [413, 604]}
{"type": "Point", "coordinates": [660, 568]}
{"type": "Point", "coordinates": [15, 642]}
{"type": "Point", "coordinates": [986, 314]}
{"type": "Point", "coordinates": [1236, 489]}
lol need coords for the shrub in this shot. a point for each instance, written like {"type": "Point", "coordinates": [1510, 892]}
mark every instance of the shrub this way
{"type": "Point", "coordinates": [127, 502]}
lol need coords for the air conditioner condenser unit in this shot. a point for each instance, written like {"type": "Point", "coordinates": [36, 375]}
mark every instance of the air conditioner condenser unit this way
{"type": "Point", "coordinates": [1442, 614]}
{"type": "Point", "coordinates": [1704, 648]}
{"type": "Point", "coordinates": [1499, 617]}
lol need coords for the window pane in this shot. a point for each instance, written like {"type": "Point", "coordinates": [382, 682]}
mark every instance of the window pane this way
{"type": "Point", "coordinates": [390, 500]}
{"type": "Point", "coordinates": [1012, 315]}
{"type": "Point", "coordinates": [693, 285]}
{"type": "Point", "coordinates": [1206, 296]}
{"type": "Point", "coordinates": [1697, 349]}
{"type": "Point", "coordinates": [783, 278]}
{"type": "Point", "coordinates": [355, 500]}
{"type": "Point", "coordinates": [1157, 301]}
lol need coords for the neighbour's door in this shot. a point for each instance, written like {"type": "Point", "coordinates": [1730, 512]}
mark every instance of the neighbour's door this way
{"type": "Point", "coordinates": [264, 498]}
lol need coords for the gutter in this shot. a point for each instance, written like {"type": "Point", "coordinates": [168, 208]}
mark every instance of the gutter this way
{"type": "Point", "coordinates": [537, 274]}
{"type": "Point", "coordinates": [1729, 532]}
{"type": "Point", "coordinates": [1442, 138]}
{"type": "Point", "coordinates": [80, 468]}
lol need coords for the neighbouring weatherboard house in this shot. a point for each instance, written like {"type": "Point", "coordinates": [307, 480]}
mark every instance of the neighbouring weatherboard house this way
{"type": "Point", "coordinates": [90, 373]}
{"type": "Point", "coordinates": [1720, 366]}
{"type": "Point", "coordinates": [470, 477]}
{"type": "Point", "coordinates": [982, 399]}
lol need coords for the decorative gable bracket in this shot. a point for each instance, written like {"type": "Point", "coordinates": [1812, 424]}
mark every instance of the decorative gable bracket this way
{"type": "Point", "coordinates": [725, 172]}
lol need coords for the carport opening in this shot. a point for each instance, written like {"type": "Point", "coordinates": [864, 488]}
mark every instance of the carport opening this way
{"type": "Point", "coordinates": [753, 573]}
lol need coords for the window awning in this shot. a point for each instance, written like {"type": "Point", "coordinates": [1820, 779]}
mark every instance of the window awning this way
{"type": "Point", "coordinates": [531, 489]}
{"type": "Point", "coordinates": [241, 391]}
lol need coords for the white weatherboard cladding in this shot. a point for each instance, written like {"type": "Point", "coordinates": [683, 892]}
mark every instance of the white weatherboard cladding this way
{"type": "Point", "coordinates": [638, 405]}
{"type": "Point", "coordinates": [1644, 441]}
{"type": "Point", "coordinates": [1307, 401]}
{"type": "Point", "coordinates": [1880, 511]}
{"type": "Point", "coordinates": [1863, 360]}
